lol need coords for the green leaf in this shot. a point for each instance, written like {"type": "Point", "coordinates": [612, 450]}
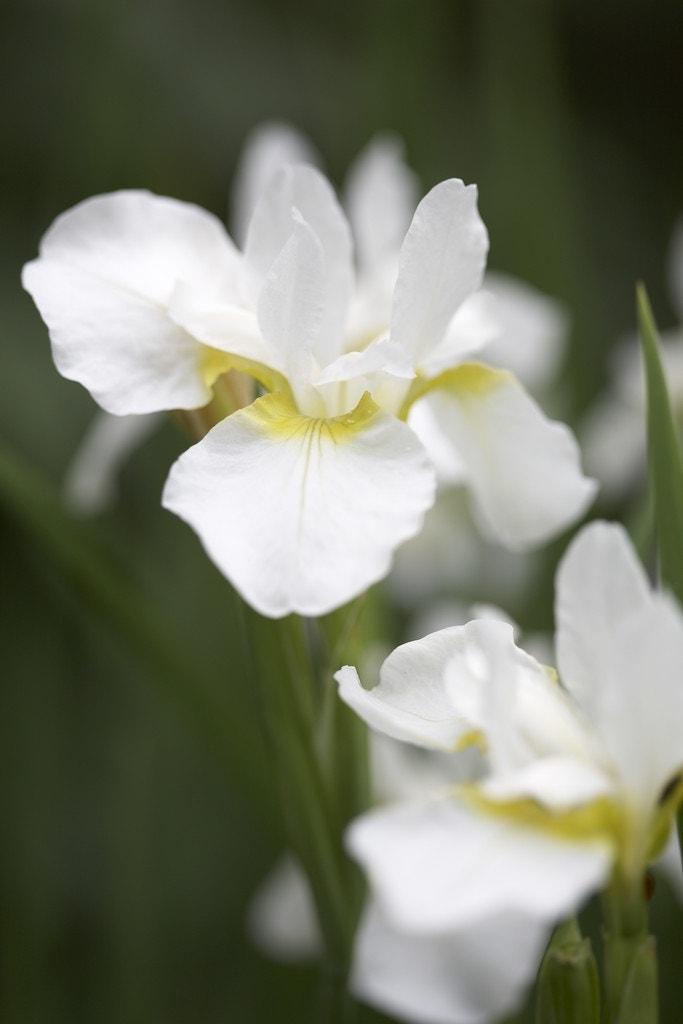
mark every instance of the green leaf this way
{"type": "Point", "coordinates": [665, 464]}
{"type": "Point", "coordinates": [106, 585]}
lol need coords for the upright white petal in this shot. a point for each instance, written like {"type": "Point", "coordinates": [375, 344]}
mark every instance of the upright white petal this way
{"type": "Point", "coordinates": [620, 652]}
{"type": "Point", "coordinates": [600, 586]}
{"type": "Point", "coordinates": [441, 263]}
{"type": "Point", "coordinates": [291, 310]}
{"type": "Point", "coordinates": [412, 701]}
{"type": "Point", "coordinates": [307, 190]}
{"type": "Point", "coordinates": [522, 470]}
{"type": "Point", "coordinates": [440, 866]}
{"type": "Point", "coordinates": [267, 149]}
{"type": "Point", "coordinates": [302, 514]}
{"type": "Point", "coordinates": [380, 198]}
{"type": "Point", "coordinates": [470, 976]}
{"type": "Point", "coordinates": [103, 281]}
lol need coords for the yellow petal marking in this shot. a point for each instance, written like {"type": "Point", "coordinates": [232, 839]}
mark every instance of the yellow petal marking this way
{"type": "Point", "coordinates": [473, 379]}
{"type": "Point", "coordinates": [277, 415]}
{"type": "Point", "coordinates": [213, 363]}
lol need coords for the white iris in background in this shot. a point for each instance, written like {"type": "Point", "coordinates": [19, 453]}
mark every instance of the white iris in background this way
{"type": "Point", "coordinates": [302, 497]}
{"type": "Point", "coordinates": [583, 779]}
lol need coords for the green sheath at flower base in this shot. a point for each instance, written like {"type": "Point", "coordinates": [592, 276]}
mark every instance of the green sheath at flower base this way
{"type": "Point", "coordinates": [631, 980]}
{"type": "Point", "coordinates": [568, 989]}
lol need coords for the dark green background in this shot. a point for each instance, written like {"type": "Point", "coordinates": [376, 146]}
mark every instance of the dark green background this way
{"type": "Point", "coordinates": [129, 847]}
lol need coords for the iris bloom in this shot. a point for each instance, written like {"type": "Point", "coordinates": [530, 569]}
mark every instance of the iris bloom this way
{"type": "Point", "coordinates": [301, 498]}
{"type": "Point", "coordinates": [583, 779]}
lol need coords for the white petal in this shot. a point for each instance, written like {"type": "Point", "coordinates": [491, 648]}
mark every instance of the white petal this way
{"type": "Point", "coordinates": [90, 483]}
{"type": "Point", "coordinates": [475, 325]}
{"type": "Point", "coordinates": [102, 283]}
{"type": "Point", "coordinates": [302, 514]}
{"type": "Point", "coordinates": [450, 467]}
{"type": "Point", "coordinates": [380, 197]}
{"type": "Point", "coordinates": [531, 334]}
{"type": "Point", "coordinates": [267, 149]}
{"type": "Point", "coordinates": [599, 585]}
{"type": "Point", "coordinates": [538, 747]}
{"type": "Point", "coordinates": [620, 652]}
{"type": "Point", "coordinates": [522, 470]}
{"type": "Point", "coordinates": [442, 262]}
{"type": "Point", "coordinates": [472, 976]}
{"type": "Point", "coordinates": [440, 867]}
{"type": "Point", "coordinates": [401, 771]}
{"type": "Point", "coordinates": [558, 783]}
{"type": "Point", "coordinates": [308, 191]}
{"type": "Point", "coordinates": [412, 701]}
{"type": "Point", "coordinates": [222, 325]}
{"type": "Point", "coordinates": [281, 918]}
{"type": "Point", "coordinates": [639, 705]}
{"type": "Point", "coordinates": [291, 310]}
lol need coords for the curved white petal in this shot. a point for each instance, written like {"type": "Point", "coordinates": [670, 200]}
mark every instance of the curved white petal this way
{"type": "Point", "coordinates": [470, 976]}
{"type": "Point", "coordinates": [380, 198]}
{"type": "Point", "coordinates": [439, 866]}
{"type": "Point", "coordinates": [307, 190]}
{"type": "Point", "coordinates": [523, 470]}
{"type": "Point", "coordinates": [267, 149]}
{"type": "Point", "coordinates": [90, 482]}
{"type": "Point", "coordinates": [534, 736]}
{"type": "Point", "coordinates": [302, 514]}
{"type": "Point", "coordinates": [441, 263]}
{"type": "Point", "coordinates": [102, 283]}
{"type": "Point", "coordinates": [412, 701]}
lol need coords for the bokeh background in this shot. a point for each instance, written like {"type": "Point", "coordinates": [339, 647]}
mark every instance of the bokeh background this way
{"type": "Point", "coordinates": [133, 791]}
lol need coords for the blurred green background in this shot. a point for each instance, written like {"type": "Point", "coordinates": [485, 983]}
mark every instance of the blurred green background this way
{"type": "Point", "coordinates": [132, 778]}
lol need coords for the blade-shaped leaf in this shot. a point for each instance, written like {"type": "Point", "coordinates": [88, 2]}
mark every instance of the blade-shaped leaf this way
{"type": "Point", "coordinates": [665, 464]}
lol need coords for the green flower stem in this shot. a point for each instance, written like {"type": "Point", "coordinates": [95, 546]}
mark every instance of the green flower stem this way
{"type": "Point", "coordinates": [631, 995]}
{"type": "Point", "coordinates": [345, 734]}
{"type": "Point", "coordinates": [568, 989]}
{"type": "Point", "coordinates": [282, 674]}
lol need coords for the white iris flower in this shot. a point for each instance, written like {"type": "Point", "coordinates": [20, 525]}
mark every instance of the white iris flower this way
{"type": "Point", "coordinates": [583, 779]}
{"type": "Point", "coordinates": [301, 498]}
